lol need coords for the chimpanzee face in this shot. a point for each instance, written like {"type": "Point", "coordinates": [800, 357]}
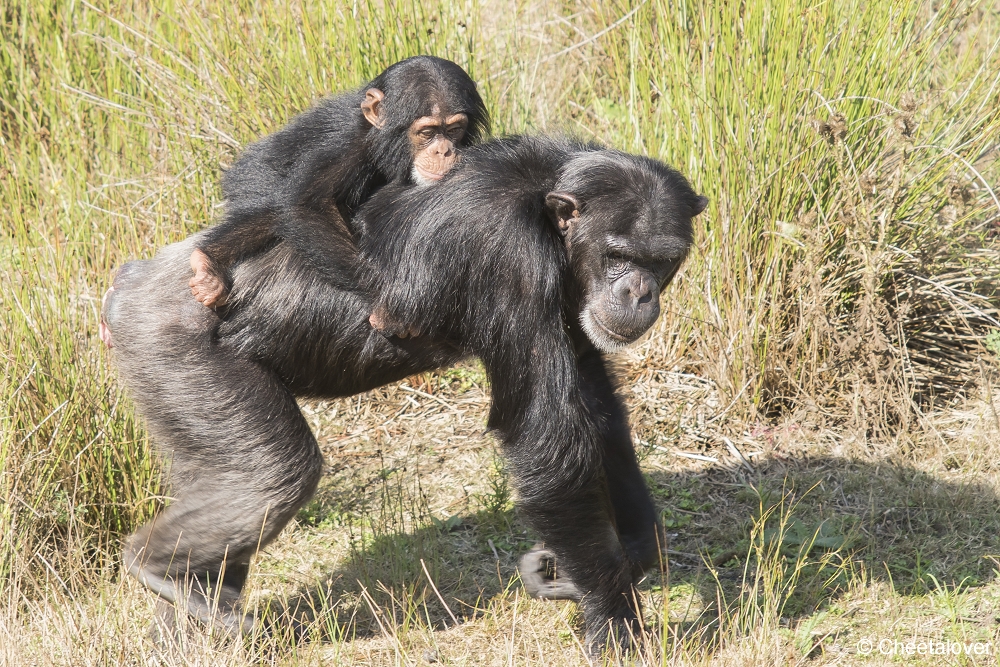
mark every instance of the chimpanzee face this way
{"type": "Point", "coordinates": [622, 298]}
{"type": "Point", "coordinates": [624, 246]}
{"type": "Point", "coordinates": [435, 139]}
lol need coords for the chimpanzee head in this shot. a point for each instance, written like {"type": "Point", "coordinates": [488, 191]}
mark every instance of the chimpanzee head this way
{"type": "Point", "coordinates": [423, 111]}
{"type": "Point", "coordinates": [626, 223]}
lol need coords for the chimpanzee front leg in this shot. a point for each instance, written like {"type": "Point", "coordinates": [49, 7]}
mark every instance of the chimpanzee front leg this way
{"type": "Point", "coordinates": [555, 444]}
{"type": "Point", "coordinates": [567, 504]}
{"type": "Point", "coordinates": [635, 516]}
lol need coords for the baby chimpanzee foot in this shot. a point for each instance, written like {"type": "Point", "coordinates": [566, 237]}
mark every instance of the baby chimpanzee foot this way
{"type": "Point", "coordinates": [386, 326]}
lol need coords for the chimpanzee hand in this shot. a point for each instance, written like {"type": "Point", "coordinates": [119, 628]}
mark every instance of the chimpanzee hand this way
{"type": "Point", "coordinates": [541, 579]}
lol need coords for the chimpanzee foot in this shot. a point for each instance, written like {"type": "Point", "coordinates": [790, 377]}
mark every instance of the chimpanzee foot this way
{"type": "Point", "coordinates": [542, 580]}
{"type": "Point", "coordinates": [170, 630]}
{"type": "Point", "coordinates": [175, 630]}
{"type": "Point", "coordinates": [613, 634]}
{"type": "Point", "coordinates": [218, 611]}
{"type": "Point", "coordinates": [615, 638]}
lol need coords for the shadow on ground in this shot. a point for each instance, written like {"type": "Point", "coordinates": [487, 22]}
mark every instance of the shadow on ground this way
{"type": "Point", "coordinates": [899, 525]}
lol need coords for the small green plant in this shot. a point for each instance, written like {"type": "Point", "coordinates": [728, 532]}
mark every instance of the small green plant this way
{"type": "Point", "coordinates": [447, 525]}
{"type": "Point", "coordinates": [321, 513]}
{"type": "Point", "coordinates": [804, 636]}
{"type": "Point", "coordinates": [464, 377]}
{"type": "Point", "coordinates": [798, 535]}
{"type": "Point", "coordinates": [992, 342]}
{"type": "Point", "coordinates": [499, 499]}
{"type": "Point", "coordinates": [681, 505]}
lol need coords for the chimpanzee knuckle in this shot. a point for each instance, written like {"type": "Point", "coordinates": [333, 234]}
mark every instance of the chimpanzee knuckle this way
{"type": "Point", "coordinates": [217, 298]}
{"type": "Point", "coordinates": [542, 579]}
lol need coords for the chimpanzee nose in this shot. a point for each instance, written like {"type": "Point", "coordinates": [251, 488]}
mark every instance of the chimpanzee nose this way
{"type": "Point", "coordinates": [640, 290]}
{"type": "Point", "coordinates": [635, 306]}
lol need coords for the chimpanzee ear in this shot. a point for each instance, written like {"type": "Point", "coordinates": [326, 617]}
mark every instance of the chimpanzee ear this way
{"type": "Point", "coordinates": [699, 206]}
{"type": "Point", "coordinates": [372, 107]}
{"type": "Point", "coordinates": [564, 210]}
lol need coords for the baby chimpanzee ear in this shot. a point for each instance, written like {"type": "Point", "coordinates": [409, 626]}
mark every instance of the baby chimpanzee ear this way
{"type": "Point", "coordinates": [372, 107]}
{"type": "Point", "coordinates": [564, 209]}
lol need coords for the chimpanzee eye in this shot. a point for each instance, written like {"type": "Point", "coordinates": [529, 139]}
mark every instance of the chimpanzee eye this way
{"type": "Point", "coordinates": [617, 263]}
{"type": "Point", "coordinates": [428, 132]}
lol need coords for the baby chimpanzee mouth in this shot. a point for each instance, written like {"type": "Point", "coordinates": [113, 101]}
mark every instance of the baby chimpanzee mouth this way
{"type": "Point", "coordinates": [430, 175]}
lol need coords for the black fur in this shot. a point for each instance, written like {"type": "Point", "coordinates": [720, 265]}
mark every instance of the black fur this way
{"type": "Point", "coordinates": [304, 183]}
{"type": "Point", "coordinates": [480, 264]}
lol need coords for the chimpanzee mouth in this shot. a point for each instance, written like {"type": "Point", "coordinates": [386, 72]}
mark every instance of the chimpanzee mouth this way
{"type": "Point", "coordinates": [428, 175]}
{"type": "Point", "coordinates": [607, 330]}
{"type": "Point", "coordinates": [602, 336]}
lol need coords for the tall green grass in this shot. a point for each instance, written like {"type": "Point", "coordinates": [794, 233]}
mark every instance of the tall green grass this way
{"type": "Point", "coordinates": [845, 271]}
{"type": "Point", "coordinates": [847, 265]}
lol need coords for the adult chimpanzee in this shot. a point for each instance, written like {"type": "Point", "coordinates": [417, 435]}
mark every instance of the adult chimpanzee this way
{"type": "Point", "coordinates": [536, 255]}
{"type": "Point", "coordinates": [303, 182]}
{"type": "Point", "coordinates": [567, 261]}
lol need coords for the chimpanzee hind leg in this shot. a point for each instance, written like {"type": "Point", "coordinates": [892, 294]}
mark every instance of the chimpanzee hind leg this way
{"type": "Point", "coordinates": [241, 458]}
{"type": "Point", "coordinates": [636, 519]}
{"type": "Point", "coordinates": [242, 461]}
